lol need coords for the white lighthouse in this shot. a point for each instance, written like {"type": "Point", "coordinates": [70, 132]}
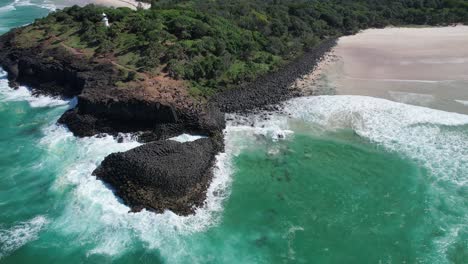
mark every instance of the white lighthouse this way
{"type": "Point", "coordinates": [105, 20]}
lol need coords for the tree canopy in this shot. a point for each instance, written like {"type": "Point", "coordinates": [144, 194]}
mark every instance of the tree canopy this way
{"type": "Point", "coordinates": [221, 43]}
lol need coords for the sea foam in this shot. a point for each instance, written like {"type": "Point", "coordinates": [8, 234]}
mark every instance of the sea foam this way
{"type": "Point", "coordinates": [186, 138]}
{"type": "Point", "coordinates": [17, 236]}
{"type": "Point", "coordinates": [101, 219]}
{"type": "Point", "coordinates": [22, 93]}
{"type": "Point", "coordinates": [436, 139]}
{"type": "Point", "coordinates": [49, 5]}
{"type": "Point", "coordinates": [92, 211]}
{"type": "Point", "coordinates": [42, 4]}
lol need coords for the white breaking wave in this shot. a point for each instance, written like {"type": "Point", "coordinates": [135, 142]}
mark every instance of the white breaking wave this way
{"type": "Point", "coordinates": [435, 139]}
{"type": "Point", "coordinates": [186, 138]}
{"type": "Point", "coordinates": [95, 213]}
{"type": "Point", "coordinates": [17, 236]}
{"type": "Point", "coordinates": [39, 3]}
{"type": "Point", "coordinates": [427, 135]}
{"type": "Point", "coordinates": [7, 8]}
{"type": "Point", "coordinates": [24, 94]}
{"type": "Point", "coordinates": [19, 3]}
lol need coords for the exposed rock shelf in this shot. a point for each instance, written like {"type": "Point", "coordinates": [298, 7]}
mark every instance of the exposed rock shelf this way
{"type": "Point", "coordinates": [162, 175]}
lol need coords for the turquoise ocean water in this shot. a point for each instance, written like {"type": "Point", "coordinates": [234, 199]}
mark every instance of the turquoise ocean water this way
{"type": "Point", "coordinates": [331, 179]}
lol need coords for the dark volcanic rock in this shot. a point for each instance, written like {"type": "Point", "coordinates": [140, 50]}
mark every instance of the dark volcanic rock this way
{"type": "Point", "coordinates": [102, 107]}
{"type": "Point", "coordinates": [161, 175]}
{"type": "Point", "coordinates": [274, 87]}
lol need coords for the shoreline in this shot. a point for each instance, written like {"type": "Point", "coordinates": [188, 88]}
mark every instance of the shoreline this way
{"type": "Point", "coordinates": [133, 4]}
{"type": "Point", "coordinates": [424, 66]}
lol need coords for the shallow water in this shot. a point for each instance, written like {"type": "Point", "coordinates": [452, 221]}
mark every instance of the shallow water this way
{"type": "Point", "coordinates": [332, 179]}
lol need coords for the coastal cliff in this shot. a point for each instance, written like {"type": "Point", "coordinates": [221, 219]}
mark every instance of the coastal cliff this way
{"type": "Point", "coordinates": [106, 102]}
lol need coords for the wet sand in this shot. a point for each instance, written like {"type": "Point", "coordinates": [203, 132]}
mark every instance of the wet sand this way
{"type": "Point", "coordinates": [420, 66]}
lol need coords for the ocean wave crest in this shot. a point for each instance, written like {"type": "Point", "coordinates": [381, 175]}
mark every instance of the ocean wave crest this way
{"type": "Point", "coordinates": [22, 93]}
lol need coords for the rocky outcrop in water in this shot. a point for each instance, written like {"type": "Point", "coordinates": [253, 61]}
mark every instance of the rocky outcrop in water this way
{"type": "Point", "coordinates": [162, 175]}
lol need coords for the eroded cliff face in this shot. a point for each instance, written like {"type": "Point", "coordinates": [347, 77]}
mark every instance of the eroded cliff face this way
{"type": "Point", "coordinates": [107, 103]}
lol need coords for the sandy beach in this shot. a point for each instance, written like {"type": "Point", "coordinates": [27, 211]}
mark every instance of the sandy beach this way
{"type": "Point", "coordinates": [111, 3]}
{"type": "Point", "coordinates": [420, 66]}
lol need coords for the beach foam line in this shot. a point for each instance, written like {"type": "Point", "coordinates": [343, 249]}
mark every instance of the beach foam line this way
{"type": "Point", "coordinates": [20, 234]}
{"type": "Point", "coordinates": [437, 139]}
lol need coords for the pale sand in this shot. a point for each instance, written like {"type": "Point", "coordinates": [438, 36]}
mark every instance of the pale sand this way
{"type": "Point", "coordinates": [421, 66]}
{"type": "Point", "coordinates": [111, 3]}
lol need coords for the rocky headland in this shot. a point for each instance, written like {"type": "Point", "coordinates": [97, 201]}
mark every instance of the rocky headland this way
{"type": "Point", "coordinates": [161, 174]}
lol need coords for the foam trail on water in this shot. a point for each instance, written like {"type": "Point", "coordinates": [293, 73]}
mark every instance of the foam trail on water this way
{"type": "Point", "coordinates": [17, 236]}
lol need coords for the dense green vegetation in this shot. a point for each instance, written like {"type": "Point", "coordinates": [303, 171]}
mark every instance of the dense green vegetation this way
{"type": "Point", "coordinates": [221, 43]}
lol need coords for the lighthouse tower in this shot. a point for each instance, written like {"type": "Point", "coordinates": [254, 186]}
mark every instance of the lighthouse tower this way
{"type": "Point", "coordinates": [105, 20]}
